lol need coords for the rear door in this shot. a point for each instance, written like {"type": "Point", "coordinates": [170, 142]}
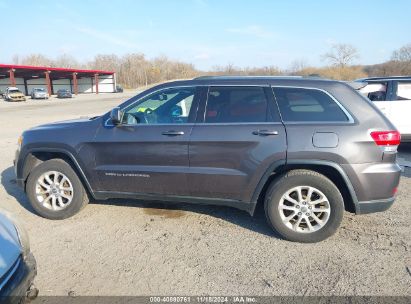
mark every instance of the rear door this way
{"type": "Point", "coordinates": [238, 136]}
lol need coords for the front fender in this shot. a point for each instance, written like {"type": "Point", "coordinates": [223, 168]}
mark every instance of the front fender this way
{"type": "Point", "coordinates": [32, 155]}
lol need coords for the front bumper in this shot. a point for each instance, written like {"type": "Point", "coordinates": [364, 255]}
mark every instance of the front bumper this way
{"type": "Point", "coordinates": [19, 181]}
{"type": "Point", "coordinates": [366, 207]}
{"type": "Point", "coordinates": [18, 285]}
{"type": "Point", "coordinates": [17, 99]}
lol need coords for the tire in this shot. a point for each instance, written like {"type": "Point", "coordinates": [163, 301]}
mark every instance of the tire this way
{"type": "Point", "coordinates": [279, 210]}
{"type": "Point", "coordinates": [71, 187]}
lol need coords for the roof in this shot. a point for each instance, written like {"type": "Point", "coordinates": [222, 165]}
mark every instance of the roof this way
{"type": "Point", "coordinates": [30, 71]}
{"type": "Point", "coordinates": [294, 81]}
{"type": "Point", "coordinates": [385, 78]}
{"type": "Point", "coordinates": [256, 77]}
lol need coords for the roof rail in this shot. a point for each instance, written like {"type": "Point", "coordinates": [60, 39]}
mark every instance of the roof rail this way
{"type": "Point", "coordinates": [242, 76]}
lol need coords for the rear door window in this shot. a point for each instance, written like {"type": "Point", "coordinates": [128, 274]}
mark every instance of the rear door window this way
{"type": "Point", "coordinates": [236, 104]}
{"type": "Point", "coordinates": [308, 105]}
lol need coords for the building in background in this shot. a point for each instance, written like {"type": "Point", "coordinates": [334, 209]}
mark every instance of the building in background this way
{"type": "Point", "coordinates": [77, 81]}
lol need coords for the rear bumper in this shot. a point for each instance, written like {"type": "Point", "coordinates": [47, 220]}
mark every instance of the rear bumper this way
{"type": "Point", "coordinates": [374, 184]}
{"type": "Point", "coordinates": [405, 137]}
{"type": "Point", "coordinates": [20, 282]}
{"type": "Point", "coordinates": [374, 206]}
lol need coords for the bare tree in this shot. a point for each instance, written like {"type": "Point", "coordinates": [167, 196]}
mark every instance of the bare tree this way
{"type": "Point", "coordinates": [403, 54]}
{"type": "Point", "coordinates": [37, 60]}
{"type": "Point", "coordinates": [16, 59]}
{"type": "Point", "coordinates": [109, 62]}
{"type": "Point", "coordinates": [297, 66]}
{"type": "Point", "coordinates": [66, 61]}
{"type": "Point", "coordinates": [341, 55]}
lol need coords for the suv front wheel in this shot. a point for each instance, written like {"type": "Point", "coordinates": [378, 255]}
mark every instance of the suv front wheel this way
{"type": "Point", "coordinates": [55, 191]}
{"type": "Point", "coordinates": [304, 206]}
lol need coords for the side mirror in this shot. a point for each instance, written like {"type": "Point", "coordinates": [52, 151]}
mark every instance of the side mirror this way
{"type": "Point", "coordinates": [116, 116]}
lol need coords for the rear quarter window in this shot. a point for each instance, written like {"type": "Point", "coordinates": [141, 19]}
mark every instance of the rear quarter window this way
{"type": "Point", "coordinates": [308, 105]}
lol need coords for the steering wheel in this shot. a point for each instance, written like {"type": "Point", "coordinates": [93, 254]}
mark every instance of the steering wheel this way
{"type": "Point", "coordinates": [148, 115]}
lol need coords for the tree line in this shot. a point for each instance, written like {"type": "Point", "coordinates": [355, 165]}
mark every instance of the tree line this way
{"type": "Point", "coordinates": [134, 70]}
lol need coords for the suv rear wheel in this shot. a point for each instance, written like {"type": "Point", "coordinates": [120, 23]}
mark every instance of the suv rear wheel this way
{"type": "Point", "coordinates": [304, 206]}
{"type": "Point", "coordinates": [55, 191]}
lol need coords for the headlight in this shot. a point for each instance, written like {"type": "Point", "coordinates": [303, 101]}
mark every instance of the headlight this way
{"type": "Point", "coordinates": [21, 232]}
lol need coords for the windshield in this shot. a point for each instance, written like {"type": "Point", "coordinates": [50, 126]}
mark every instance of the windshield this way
{"type": "Point", "coordinates": [40, 90]}
{"type": "Point", "coordinates": [14, 91]}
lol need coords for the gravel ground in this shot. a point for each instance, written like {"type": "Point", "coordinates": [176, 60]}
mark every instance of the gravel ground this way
{"type": "Point", "coordinates": [125, 247]}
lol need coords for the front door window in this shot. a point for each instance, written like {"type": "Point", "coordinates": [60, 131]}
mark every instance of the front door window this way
{"type": "Point", "coordinates": [168, 106]}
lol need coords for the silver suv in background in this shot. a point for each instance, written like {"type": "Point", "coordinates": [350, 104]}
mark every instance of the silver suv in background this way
{"type": "Point", "coordinates": [39, 93]}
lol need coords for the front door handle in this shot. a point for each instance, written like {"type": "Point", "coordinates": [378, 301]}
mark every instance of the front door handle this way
{"type": "Point", "coordinates": [265, 132]}
{"type": "Point", "coordinates": [172, 133]}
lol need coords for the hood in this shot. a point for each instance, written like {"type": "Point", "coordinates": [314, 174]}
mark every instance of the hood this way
{"type": "Point", "coordinates": [10, 248]}
{"type": "Point", "coordinates": [65, 123]}
{"type": "Point", "coordinates": [16, 94]}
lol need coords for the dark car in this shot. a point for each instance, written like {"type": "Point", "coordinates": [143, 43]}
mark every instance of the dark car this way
{"type": "Point", "coordinates": [119, 89]}
{"type": "Point", "coordinates": [17, 264]}
{"type": "Point", "coordinates": [307, 149]}
{"type": "Point", "coordinates": [64, 93]}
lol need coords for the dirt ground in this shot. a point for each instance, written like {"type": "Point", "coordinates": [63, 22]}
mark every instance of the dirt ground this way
{"type": "Point", "coordinates": [125, 247]}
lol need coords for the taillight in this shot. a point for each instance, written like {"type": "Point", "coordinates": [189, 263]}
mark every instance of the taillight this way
{"type": "Point", "coordinates": [386, 138]}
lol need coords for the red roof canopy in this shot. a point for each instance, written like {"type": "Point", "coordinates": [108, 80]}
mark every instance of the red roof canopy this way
{"type": "Point", "coordinates": [29, 71]}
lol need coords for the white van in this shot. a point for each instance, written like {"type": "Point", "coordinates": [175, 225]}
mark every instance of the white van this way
{"type": "Point", "coordinates": [392, 95]}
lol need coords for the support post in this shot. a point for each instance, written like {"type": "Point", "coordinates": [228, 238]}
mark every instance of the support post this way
{"type": "Point", "coordinates": [75, 84]}
{"type": "Point", "coordinates": [26, 87]}
{"type": "Point", "coordinates": [12, 79]}
{"type": "Point", "coordinates": [114, 83]}
{"type": "Point", "coordinates": [96, 82]}
{"type": "Point", "coordinates": [48, 82]}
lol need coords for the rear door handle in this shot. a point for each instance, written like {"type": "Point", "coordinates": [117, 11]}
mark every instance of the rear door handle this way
{"type": "Point", "coordinates": [172, 133]}
{"type": "Point", "coordinates": [265, 132]}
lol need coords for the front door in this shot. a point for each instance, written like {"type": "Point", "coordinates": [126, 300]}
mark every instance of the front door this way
{"type": "Point", "coordinates": [238, 138]}
{"type": "Point", "coordinates": [148, 152]}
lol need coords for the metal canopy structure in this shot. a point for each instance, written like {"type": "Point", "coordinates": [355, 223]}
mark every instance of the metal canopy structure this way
{"type": "Point", "coordinates": [61, 76]}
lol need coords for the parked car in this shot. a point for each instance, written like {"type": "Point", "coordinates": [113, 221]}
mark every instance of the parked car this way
{"type": "Point", "coordinates": [119, 89]}
{"type": "Point", "coordinates": [39, 93]}
{"type": "Point", "coordinates": [17, 263]}
{"type": "Point", "coordinates": [14, 94]}
{"type": "Point", "coordinates": [305, 148]}
{"type": "Point", "coordinates": [392, 95]}
{"type": "Point", "coordinates": [64, 93]}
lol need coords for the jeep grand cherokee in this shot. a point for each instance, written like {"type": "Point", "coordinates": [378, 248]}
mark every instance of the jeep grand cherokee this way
{"type": "Point", "coordinates": [307, 149]}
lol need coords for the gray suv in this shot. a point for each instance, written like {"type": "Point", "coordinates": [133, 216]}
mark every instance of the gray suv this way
{"type": "Point", "coordinates": [307, 149]}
